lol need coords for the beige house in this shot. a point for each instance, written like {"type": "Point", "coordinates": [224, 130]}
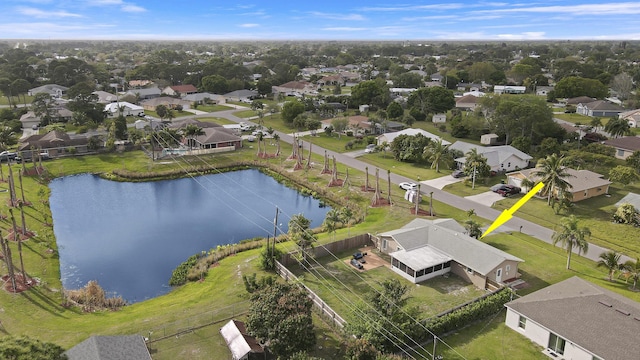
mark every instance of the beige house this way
{"type": "Point", "coordinates": [584, 184]}
{"type": "Point", "coordinates": [424, 249]}
{"type": "Point", "coordinates": [625, 146]}
{"type": "Point", "coordinates": [467, 102]}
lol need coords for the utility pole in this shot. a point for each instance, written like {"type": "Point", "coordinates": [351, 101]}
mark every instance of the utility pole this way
{"type": "Point", "coordinates": [418, 199]}
{"type": "Point", "coordinates": [430, 203]}
{"type": "Point", "coordinates": [473, 185]}
{"type": "Point", "coordinates": [275, 228]}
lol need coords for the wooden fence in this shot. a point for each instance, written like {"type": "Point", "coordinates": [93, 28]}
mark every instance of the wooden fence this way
{"type": "Point", "coordinates": [331, 248]}
{"type": "Point", "coordinates": [322, 306]}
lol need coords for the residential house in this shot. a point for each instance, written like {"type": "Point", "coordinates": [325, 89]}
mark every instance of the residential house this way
{"type": "Point", "coordinates": [436, 77]}
{"type": "Point", "coordinates": [216, 138]}
{"type": "Point", "coordinates": [543, 90]}
{"type": "Point", "coordinates": [489, 139]}
{"type": "Point", "coordinates": [169, 102]}
{"type": "Point", "coordinates": [395, 92]}
{"type": "Point", "coordinates": [139, 83]}
{"type": "Point", "coordinates": [575, 319]}
{"type": "Point", "coordinates": [332, 80]}
{"type": "Point", "coordinates": [625, 146]}
{"type": "Point", "coordinates": [105, 97]}
{"type": "Point", "coordinates": [179, 90]}
{"type": "Point", "coordinates": [145, 93]}
{"type": "Point", "coordinates": [439, 118]}
{"type": "Point", "coordinates": [630, 198]}
{"type": "Point", "coordinates": [181, 123]}
{"type": "Point", "coordinates": [388, 137]}
{"type": "Point", "coordinates": [599, 108]}
{"type": "Point", "coordinates": [244, 95]}
{"type": "Point", "coordinates": [292, 88]}
{"type": "Point", "coordinates": [29, 120]}
{"type": "Point", "coordinates": [467, 102]}
{"type": "Point", "coordinates": [114, 109]}
{"type": "Point", "coordinates": [424, 249]}
{"type": "Point", "coordinates": [632, 117]}
{"type": "Point", "coordinates": [354, 122]}
{"type": "Point", "coordinates": [61, 114]}
{"type": "Point", "coordinates": [583, 184]}
{"type": "Point", "coordinates": [242, 345]}
{"type": "Point", "coordinates": [509, 89]}
{"type": "Point", "coordinates": [55, 143]}
{"type": "Point", "coordinates": [121, 347]}
{"type": "Point", "coordinates": [579, 100]}
{"type": "Point", "coordinates": [55, 91]}
{"type": "Point", "coordinates": [501, 158]}
{"type": "Point", "coordinates": [202, 98]}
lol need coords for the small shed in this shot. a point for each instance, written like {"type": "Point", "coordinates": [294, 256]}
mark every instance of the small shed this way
{"type": "Point", "coordinates": [439, 118]}
{"type": "Point", "coordinates": [363, 108]}
{"type": "Point", "coordinates": [242, 345]}
{"type": "Point", "coordinates": [489, 139]}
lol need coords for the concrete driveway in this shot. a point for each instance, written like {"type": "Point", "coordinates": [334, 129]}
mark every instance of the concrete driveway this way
{"type": "Point", "coordinates": [441, 182]}
{"type": "Point", "coordinates": [486, 198]}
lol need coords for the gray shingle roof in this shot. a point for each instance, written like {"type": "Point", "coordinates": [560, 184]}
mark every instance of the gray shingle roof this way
{"type": "Point", "coordinates": [579, 180]}
{"type": "Point", "coordinates": [631, 143]}
{"type": "Point", "coordinates": [125, 347]}
{"type": "Point", "coordinates": [450, 240]}
{"type": "Point", "coordinates": [579, 311]}
{"type": "Point", "coordinates": [495, 155]}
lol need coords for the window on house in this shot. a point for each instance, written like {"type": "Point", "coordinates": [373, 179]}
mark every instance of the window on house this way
{"type": "Point", "coordinates": [420, 273]}
{"type": "Point", "coordinates": [509, 164]}
{"type": "Point", "coordinates": [437, 267]}
{"type": "Point", "coordinates": [469, 270]}
{"type": "Point", "coordinates": [556, 343]}
{"type": "Point", "coordinates": [384, 244]}
{"type": "Point", "coordinates": [428, 270]}
{"type": "Point", "coordinates": [447, 264]}
{"type": "Point", "coordinates": [507, 268]}
{"type": "Point", "coordinates": [395, 262]}
{"type": "Point", "coordinates": [522, 322]}
{"type": "Point", "coordinates": [620, 152]}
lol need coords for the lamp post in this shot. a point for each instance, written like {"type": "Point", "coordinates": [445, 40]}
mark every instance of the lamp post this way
{"type": "Point", "coordinates": [431, 203]}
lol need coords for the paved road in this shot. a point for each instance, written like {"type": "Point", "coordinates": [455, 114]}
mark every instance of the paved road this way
{"type": "Point", "coordinates": [483, 211]}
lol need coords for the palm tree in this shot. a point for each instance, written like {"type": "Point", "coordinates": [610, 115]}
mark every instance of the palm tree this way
{"type": "Point", "coordinates": [436, 152]}
{"type": "Point", "coordinates": [300, 233]}
{"type": "Point", "coordinates": [611, 261]}
{"type": "Point", "coordinates": [191, 131]}
{"type": "Point", "coordinates": [276, 137]}
{"type": "Point", "coordinates": [617, 127]}
{"type": "Point", "coordinates": [477, 163]}
{"type": "Point", "coordinates": [632, 269]}
{"type": "Point", "coordinates": [596, 123]}
{"type": "Point", "coordinates": [572, 236]}
{"type": "Point", "coordinates": [473, 228]}
{"type": "Point", "coordinates": [346, 215]}
{"type": "Point", "coordinates": [331, 221]}
{"type": "Point", "coordinates": [552, 172]}
{"type": "Point", "coordinates": [260, 137]}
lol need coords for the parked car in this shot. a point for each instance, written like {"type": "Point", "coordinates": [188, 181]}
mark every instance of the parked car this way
{"type": "Point", "coordinates": [370, 148]}
{"type": "Point", "coordinates": [505, 190]}
{"type": "Point", "coordinates": [457, 174]}
{"type": "Point", "coordinates": [264, 133]}
{"type": "Point", "coordinates": [408, 186]}
{"type": "Point", "coordinates": [360, 257]}
{"type": "Point", "coordinates": [7, 155]}
{"type": "Point", "coordinates": [356, 264]}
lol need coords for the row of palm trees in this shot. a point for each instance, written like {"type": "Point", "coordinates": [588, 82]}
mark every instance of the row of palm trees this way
{"type": "Point", "coordinates": [610, 260]}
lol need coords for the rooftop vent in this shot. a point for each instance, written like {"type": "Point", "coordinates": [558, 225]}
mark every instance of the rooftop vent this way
{"type": "Point", "coordinates": [623, 312]}
{"type": "Point", "coordinates": [605, 303]}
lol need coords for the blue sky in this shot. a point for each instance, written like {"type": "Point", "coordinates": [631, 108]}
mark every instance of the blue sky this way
{"type": "Point", "coordinates": [318, 20]}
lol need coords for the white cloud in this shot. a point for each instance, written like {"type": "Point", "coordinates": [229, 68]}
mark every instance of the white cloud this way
{"type": "Point", "coordinates": [37, 13]}
{"type": "Point", "coordinates": [452, 6]}
{"type": "Point", "coordinates": [132, 8]}
{"type": "Point", "coordinates": [434, 17]}
{"type": "Point", "coordinates": [623, 8]}
{"type": "Point", "coordinates": [40, 28]}
{"type": "Point", "coordinates": [249, 25]}
{"type": "Point", "coordinates": [530, 35]}
{"type": "Point", "coordinates": [345, 17]}
{"type": "Point", "coordinates": [346, 28]}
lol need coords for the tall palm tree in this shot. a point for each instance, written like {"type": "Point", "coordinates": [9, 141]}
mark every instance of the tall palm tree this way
{"type": "Point", "coordinates": [617, 127]}
{"type": "Point", "coordinates": [436, 152]}
{"type": "Point", "coordinates": [477, 163]}
{"type": "Point", "coordinates": [632, 268]}
{"type": "Point", "coordinates": [331, 221]}
{"type": "Point", "coordinates": [300, 233]}
{"type": "Point", "coordinates": [571, 236]}
{"type": "Point", "coordinates": [611, 261]}
{"type": "Point", "coordinates": [276, 137]}
{"type": "Point", "coordinates": [346, 215]}
{"type": "Point", "coordinates": [260, 137]}
{"type": "Point", "coordinates": [191, 131]}
{"type": "Point", "coordinates": [552, 172]}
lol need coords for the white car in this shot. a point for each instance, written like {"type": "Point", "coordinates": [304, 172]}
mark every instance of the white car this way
{"type": "Point", "coordinates": [370, 148]}
{"type": "Point", "coordinates": [408, 186]}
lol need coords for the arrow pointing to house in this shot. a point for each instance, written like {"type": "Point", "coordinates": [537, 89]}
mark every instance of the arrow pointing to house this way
{"type": "Point", "coordinates": [507, 214]}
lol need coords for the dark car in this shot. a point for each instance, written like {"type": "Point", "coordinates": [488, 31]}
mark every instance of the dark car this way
{"type": "Point", "coordinates": [457, 174]}
{"type": "Point", "coordinates": [508, 190]}
{"type": "Point", "coordinates": [7, 155]}
{"type": "Point", "coordinates": [356, 264]}
{"type": "Point", "coordinates": [360, 257]}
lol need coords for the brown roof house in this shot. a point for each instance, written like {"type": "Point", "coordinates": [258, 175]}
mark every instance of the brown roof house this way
{"type": "Point", "coordinates": [241, 345]}
{"type": "Point", "coordinates": [295, 88]}
{"type": "Point", "coordinates": [625, 146]}
{"type": "Point", "coordinates": [632, 117]}
{"type": "Point", "coordinates": [424, 249]}
{"type": "Point", "coordinates": [584, 184]}
{"type": "Point", "coordinates": [599, 108]}
{"type": "Point", "coordinates": [169, 102]}
{"type": "Point", "coordinates": [179, 90]}
{"type": "Point", "coordinates": [55, 143]}
{"type": "Point", "coordinates": [575, 319]}
{"type": "Point", "coordinates": [579, 100]}
{"type": "Point", "coordinates": [467, 102]}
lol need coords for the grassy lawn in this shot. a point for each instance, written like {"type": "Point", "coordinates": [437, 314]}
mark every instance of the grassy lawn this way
{"type": "Point", "coordinates": [334, 142]}
{"type": "Point", "coordinates": [213, 108]}
{"type": "Point", "coordinates": [578, 119]}
{"type": "Point", "coordinates": [385, 160]}
{"type": "Point", "coordinates": [464, 188]}
{"type": "Point", "coordinates": [245, 114]}
{"type": "Point", "coordinates": [177, 114]}
{"type": "Point", "coordinates": [217, 120]}
{"type": "Point", "coordinates": [595, 213]}
{"type": "Point", "coordinates": [15, 100]}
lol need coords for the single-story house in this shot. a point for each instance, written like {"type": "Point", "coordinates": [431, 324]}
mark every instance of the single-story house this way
{"type": "Point", "coordinates": [436, 77]}
{"type": "Point", "coordinates": [241, 95]}
{"type": "Point", "coordinates": [509, 89]}
{"type": "Point", "coordinates": [632, 117]}
{"type": "Point", "coordinates": [139, 83]}
{"type": "Point", "coordinates": [29, 120]}
{"type": "Point", "coordinates": [599, 108]}
{"type": "Point", "coordinates": [295, 88]}
{"type": "Point", "coordinates": [242, 345]}
{"type": "Point", "coordinates": [625, 146]}
{"type": "Point", "coordinates": [199, 98]}
{"type": "Point", "coordinates": [500, 158]}
{"type": "Point", "coordinates": [439, 118]}
{"type": "Point", "coordinates": [388, 137]}
{"type": "Point", "coordinates": [575, 319]}
{"type": "Point", "coordinates": [120, 347]}
{"type": "Point", "coordinates": [363, 122]}
{"type": "Point", "coordinates": [105, 97]}
{"type": "Point", "coordinates": [332, 80]}
{"type": "Point", "coordinates": [630, 198]}
{"type": "Point", "coordinates": [543, 90]}
{"type": "Point", "coordinates": [215, 138]}
{"type": "Point", "coordinates": [579, 100]}
{"type": "Point", "coordinates": [114, 109]}
{"type": "Point", "coordinates": [467, 102]}
{"type": "Point", "coordinates": [56, 91]}
{"type": "Point", "coordinates": [179, 90]}
{"type": "Point", "coordinates": [169, 102]}
{"type": "Point", "coordinates": [181, 123]}
{"type": "Point", "coordinates": [54, 143]}
{"type": "Point", "coordinates": [584, 184]}
{"type": "Point", "coordinates": [152, 124]}
{"type": "Point", "coordinates": [145, 93]}
{"type": "Point", "coordinates": [424, 249]}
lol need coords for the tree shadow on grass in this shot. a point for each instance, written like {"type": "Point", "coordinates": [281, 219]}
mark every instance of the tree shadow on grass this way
{"type": "Point", "coordinates": [38, 299]}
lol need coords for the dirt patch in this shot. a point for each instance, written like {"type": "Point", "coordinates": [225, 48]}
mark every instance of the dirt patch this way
{"type": "Point", "coordinates": [372, 260]}
{"type": "Point", "coordinates": [455, 289]}
{"type": "Point", "coordinates": [22, 283]}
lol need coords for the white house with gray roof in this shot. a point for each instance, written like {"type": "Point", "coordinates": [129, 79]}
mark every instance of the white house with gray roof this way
{"type": "Point", "coordinates": [575, 319]}
{"type": "Point", "coordinates": [55, 91]}
{"type": "Point", "coordinates": [424, 249]}
{"type": "Point", "coordinates": [388, 137]}
{"type": "Point", "coordinates": [501, 158]}
{"type": "Point", "coordinates": [121, 347]}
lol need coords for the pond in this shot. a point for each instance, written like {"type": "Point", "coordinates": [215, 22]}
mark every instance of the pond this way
{"type": "Point", "coordinates": [130, 236]}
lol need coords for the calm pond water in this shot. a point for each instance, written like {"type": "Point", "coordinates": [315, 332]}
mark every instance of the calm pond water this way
{"type": "Point", "coordinates": [130, 236]}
